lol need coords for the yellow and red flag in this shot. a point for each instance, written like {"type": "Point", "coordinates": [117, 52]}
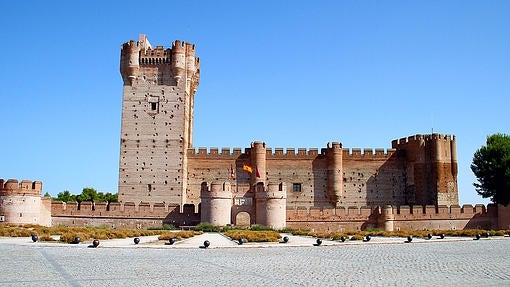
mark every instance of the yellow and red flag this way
{"type": "Point", "coordinates": [247, 168]}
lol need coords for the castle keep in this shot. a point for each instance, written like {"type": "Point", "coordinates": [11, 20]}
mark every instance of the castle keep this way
{"type": "Point", "coordinates": [163, 178]}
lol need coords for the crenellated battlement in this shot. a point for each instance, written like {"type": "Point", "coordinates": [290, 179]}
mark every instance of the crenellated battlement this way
{"type": "Point", "coordinates": [180, 61]}
{"type": "Point", "coordinates": [25, 187]}
{"type": "Point", "coordinates": [214, 153]}
{"type": "Point", "coordinates": [367, 153]}
{"type": "Point", "coordinates": [216, 190]}
{"type": "Point", "coordinates": [422, 138]}
{"type": "Point", "coordinates": [290, 153]}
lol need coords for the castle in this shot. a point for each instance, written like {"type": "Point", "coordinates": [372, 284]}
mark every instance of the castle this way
{"type": "Point", "coordinates": [163, 178]}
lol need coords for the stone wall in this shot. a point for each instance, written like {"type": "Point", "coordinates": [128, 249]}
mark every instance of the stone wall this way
{"type": "Point", "coordinates": [402, 218]}
{"type": "Point", "coordinates": [126, 215]}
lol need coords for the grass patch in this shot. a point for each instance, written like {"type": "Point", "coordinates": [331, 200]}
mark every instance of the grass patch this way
{"type": "Point", "coordinates": [254, 235]}
{"type": "Point", "coordinates": [179, 234]}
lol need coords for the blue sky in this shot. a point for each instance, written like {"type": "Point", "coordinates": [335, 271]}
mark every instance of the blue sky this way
{"type": "Point", "coordinates": [290, 73]}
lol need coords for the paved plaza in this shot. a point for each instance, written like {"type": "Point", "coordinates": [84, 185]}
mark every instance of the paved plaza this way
{"type": "Point", "coordinates": [379, 262]}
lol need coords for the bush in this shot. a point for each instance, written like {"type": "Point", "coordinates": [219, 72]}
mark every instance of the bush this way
{"type": "Point", "coordinates": [46, 238]}
{"type": "Point", "coordinates": [357, 237]}
{"type": "Point", "coordinates": [254, 235]}
{"type": "Point", "coordinates": [256, 227]}
{"type": "Point", "coordinates": [207, 227]}
{"type": "Point", "coordinates": [179, 234]}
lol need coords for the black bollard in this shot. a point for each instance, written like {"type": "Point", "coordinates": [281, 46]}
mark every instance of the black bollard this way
{"type": "Point", "coordinates": [342, 238]}
{"type": "Point", "coordinates": [367, 238]}
{"type": "Point", "coordinates": [409, 238]}
{"type": "Point", "coordinates": [241, 241]}
{"type": "Point", "coordinates": [95, 243]}
{"type": "Point", "coordinates": [172, 240]}
{"type": "Point", "coordinates": [487, 234]}
{"type": "Point", "coordinates": [285, 239]}
{"type": "Point", "coordinates": [207, 243]}
{"type": "Point", "coordinates": [136, 240]}
{"type": "Point", "coordinates": [441, 236]}
{"type": "Point", "coordinates": [319, 241]}
{"type": "Point", "coordinates": [35, 237]}
{"type": "Point", "coordinates": [76, 240]}
{"type": "Point", "coordinates": [429, 236]}
{"type": "Point", "coordinates": [478, 236]}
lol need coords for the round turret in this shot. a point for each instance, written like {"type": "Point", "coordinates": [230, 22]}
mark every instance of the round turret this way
{"type": "Point", "coordinates": [216, 205]}
{"type": "Point", "coordinates": [21, 203]}
{"type": "Point", "coordinates": [258, 159]}
{"type": "Point", "coordinates": [388, 218]}
{"type": "Point", "coordinates": [178, 60]}
{"type": "Point", "coordinates": [129, 62]}
{"type": "Point", "coordinates": [271, 206]}
{"type": "Point", "coordinates": [335, 172]}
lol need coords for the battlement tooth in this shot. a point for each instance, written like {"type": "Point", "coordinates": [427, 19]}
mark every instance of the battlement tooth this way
{"type": "Point", "coordinates": [290, 152]}
{"type": "Point", "coordinates": [278, 152]}
{"type": "Point", "coordinates": [368, 152]}
{"type": "Point", "coordinates": [356, 152]}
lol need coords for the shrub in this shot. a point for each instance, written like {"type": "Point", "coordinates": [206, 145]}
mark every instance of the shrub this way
{"type": "Point", "coordinates": [256, 227]}
{"type": "Point", "coordinates": [207, 227]}
{"type": "Point", "coordinates": [254, 235]}
{"type": "Point", "coordinates": [46, 238]}
{"type": "Point", "coordinates": [356, 237]}
{"type": "Point", "coordinates": [179, 234]}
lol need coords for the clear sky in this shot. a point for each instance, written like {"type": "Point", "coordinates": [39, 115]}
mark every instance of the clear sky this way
{"type": "Point", "coordinates": [290, 73]}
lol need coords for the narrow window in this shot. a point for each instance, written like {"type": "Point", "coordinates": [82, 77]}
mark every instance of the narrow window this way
{"type": "Point", "coordinates": [296, 187]}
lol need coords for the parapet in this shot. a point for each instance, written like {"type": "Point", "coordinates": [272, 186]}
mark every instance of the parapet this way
{"type": "Point", "coordinates": [181, 59]}
{"type": "Point", "coordinates": [273, 191]}
{"type": "Point", "coordinates": [421, 138]}
{"type": "Point", "coordinates": [367, 153]}
{"type": "Point", "coordinates": [26, 187]}
{"type": "Point", "coordinates": [290, 153]}
{"type": "Point", "coordinates": [216, 190]}
{"type": "Point", "coordinates": [213, 153]}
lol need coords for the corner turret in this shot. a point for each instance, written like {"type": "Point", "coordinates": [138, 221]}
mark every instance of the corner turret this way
{"type": "Point", "coordinates": [431, 168]}
{"type": "Point", "coordinates": [129, 62]}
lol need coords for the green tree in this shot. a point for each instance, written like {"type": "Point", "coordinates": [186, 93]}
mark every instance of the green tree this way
{"type": "Point", "coordinates": [491, 166]}
{"type": "Point", "coordinates": [65, 196]}
{"type": "Point", "coordinates": [89, 194]}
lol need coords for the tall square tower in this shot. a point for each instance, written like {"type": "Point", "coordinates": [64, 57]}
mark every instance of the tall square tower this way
{"type": "Point", "coordinates": [157, 120]}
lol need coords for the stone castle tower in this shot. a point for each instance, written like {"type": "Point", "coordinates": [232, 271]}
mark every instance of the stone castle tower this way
{"type": "Point", "coordinates": [157, 120]}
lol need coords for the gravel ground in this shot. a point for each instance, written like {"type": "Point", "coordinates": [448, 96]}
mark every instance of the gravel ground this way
{"type": "Point", "coordinates": [380, 262]}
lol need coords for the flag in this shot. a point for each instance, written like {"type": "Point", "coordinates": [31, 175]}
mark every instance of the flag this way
{"type": "Point", "coordinates": [247, 168]}
{"type": "Point", "coordinates": [257, 171]}
{"type": "Point", "coordinates": [232, 172]}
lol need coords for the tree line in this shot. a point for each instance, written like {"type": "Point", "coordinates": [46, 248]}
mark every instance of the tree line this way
{"type": "Point", "coordinates": [87, 194]}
